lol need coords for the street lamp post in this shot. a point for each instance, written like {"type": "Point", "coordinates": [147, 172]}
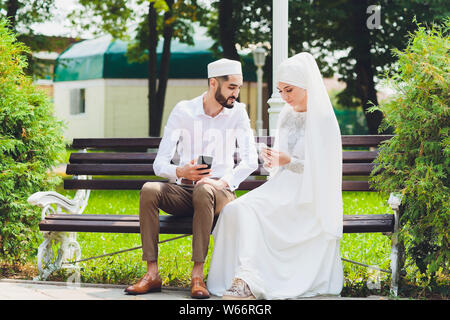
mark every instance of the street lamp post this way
{"type": "Point", "coordinates": [280, 53]}
{"type": "Point", "coordinates": [259, 58]}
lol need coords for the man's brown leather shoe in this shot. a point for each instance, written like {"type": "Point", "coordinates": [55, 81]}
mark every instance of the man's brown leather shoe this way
{"type": "Point", "coordinates": [198, 289]}
{"type": "Point", "coordinates": [145, 285]}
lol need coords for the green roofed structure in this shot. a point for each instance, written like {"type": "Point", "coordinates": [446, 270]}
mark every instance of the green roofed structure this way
{"type": "Point", "coordinates": [99, 93]}
{"type": "Point", "coordinates": [106, 58]}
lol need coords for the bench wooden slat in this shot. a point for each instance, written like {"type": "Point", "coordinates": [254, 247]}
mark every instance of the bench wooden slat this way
{"type": "Point", "coordinates": [356, 186]}
{"type": "Point", "coordinates": [347, 141]}
{"type": "Point", "coordinates": [179, 225]}
{"type": "Point", "coordinates": [149, 158]}
{"type": "Point", "coordinates": [359, 156]}
{"type": "Point", "coordinates": [94, 217]}
{"type": "Point", "coordinates": [100, 184]}
{"type": "Point", "coordinates": [363, 140]}
{"type": "Point", "coordinates": [110, 143]}
{"type": "Point", "coordinates": [147, 169]}
{"type": "Point", "coordinates": [367, 226]}
{"type": "Point", "coordinates": [116, 143]}
{"type": "Point", "coordinates": [118, 157]}
{"type": "Point", "coordinates": [357, 169]}
{"type": "Point", "coordinates": [168, 225]}
{"type": "Point", "coordinates": [135, 217]}
{"type": "Point", "coordinates": [122, 157]}
{"type": "Point", "coordinates": [111, 169]}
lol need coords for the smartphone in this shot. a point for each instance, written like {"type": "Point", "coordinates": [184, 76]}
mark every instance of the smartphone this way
{"type": "Point", "coordinates": [205, 160]}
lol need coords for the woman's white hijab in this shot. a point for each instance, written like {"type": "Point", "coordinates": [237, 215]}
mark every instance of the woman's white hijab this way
{"type": "Point", "coordinates": [322, 178]}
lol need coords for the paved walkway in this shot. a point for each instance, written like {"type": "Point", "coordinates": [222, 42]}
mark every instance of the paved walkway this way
{"type": "Point", "coordinates": [47, 290]}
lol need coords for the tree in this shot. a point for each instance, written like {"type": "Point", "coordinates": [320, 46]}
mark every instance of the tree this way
{"type": "Point", "coordinates": [21, 15]}
{"type": "Point", "coordinates": [327, 27]}
{"type": "Point", "coordinates": [227, 30]}
{"type": "Point", "coordinates": [166, 19]}
{"type": "Point", "coordinates": [243, 23]}
{"type": "Point", "coordinates": [345, 25]}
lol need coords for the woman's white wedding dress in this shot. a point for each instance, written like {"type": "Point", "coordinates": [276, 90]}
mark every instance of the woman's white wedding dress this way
{"type": "Point", "coordinates": [270, 240]}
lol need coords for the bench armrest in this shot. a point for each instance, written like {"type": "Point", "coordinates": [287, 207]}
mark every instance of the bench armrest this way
{"type": "Point", "coordinates": [395, 200]}
{"type": "Point", "coordinates": [46, 199]}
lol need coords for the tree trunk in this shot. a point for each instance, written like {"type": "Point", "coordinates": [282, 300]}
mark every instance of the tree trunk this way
{"type": "Point", "coordinates": [368, 94]}
{"type": "Point", "coordinates": [152, 65]}
{"type": "Point", "coordinates": [364, 69]}
{"type": "Point", "coordinates": [11, 10]}
{"type": "Point", "coordinates": [226, 29]}
{"type": "Point", "coordinates": [164, 68]}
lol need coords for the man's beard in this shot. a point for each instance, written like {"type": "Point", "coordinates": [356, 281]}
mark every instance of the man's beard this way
{"type": "Point", "coordinates": [223, 101]}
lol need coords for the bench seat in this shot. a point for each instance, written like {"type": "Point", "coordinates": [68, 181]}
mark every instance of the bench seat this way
{"type": "Point", "coordinates": [183, 225]}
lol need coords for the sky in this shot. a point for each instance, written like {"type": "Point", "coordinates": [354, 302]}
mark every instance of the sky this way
{"type": "Point", "coordinates": [60, 26]}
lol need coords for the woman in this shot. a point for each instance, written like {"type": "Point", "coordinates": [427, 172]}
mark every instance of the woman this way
{"type": "Point", "coordinates": [281, 240]}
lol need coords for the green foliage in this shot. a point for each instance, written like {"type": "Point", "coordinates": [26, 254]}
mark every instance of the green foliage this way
{"type": "Point", "coordinates": [416, 161]}
{"type": "Point", "coordinates": [30, 142]}
{"type": "Point", "coordinates": [334, 28]}
{"type": "Point", "coordinates": [351, 121]}
{"type": "Point", "coordinates": [23, 15]}
{"type": "Point", "coordinates": [114, 17]}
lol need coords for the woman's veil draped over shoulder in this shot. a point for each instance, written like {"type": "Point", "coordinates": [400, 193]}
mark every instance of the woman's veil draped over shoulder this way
{"type": "Point", "coordinates": [322, 178]}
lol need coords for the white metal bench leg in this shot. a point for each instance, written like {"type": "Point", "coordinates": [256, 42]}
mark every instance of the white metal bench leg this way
{"type": "Point", "coordinates": [49, 261]}
{"type": "Point", "coordinates": [66, 243]}
{"type": "Point", "coordinates": [71, 251]}
{"type": "Point", "coordinates": [394, 201]}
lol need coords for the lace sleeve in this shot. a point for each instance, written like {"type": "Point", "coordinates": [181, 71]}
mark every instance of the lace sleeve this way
{"type": "Point", "coordinates": [296, 165]}
{"type": "Point", "coordinates": [281, 123]}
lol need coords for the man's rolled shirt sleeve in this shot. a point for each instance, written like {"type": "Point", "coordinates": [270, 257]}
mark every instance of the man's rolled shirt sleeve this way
{"type": "Point", "coordinates": [247, 153]}
{"type": "Point", "coordinates": [162, 164]}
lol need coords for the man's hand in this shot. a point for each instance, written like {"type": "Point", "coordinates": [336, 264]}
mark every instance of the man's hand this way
{"type": "Point", "coordinates": [190, 171]}
{"type": "Point", "coordinates": [218, 184]}
{"type": "Point", "coordinates": [273, 158]}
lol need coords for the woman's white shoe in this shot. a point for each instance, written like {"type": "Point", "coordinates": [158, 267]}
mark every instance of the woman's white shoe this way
{"type": "Point", "coordinates": [239, 291]}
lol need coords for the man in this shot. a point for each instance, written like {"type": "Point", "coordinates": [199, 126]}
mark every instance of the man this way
{"type": "Point", "coordinates": [209, 125]}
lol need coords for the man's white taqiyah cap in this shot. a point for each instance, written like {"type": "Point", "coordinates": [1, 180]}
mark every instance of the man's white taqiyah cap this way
{"type": "Point", "coordinates": [224, 67]}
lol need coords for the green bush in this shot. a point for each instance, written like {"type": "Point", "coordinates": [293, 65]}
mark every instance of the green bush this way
{"type": "Point", "coordinates": [416, 160]}
{"type": "Point", "coordinates": [30, 143]}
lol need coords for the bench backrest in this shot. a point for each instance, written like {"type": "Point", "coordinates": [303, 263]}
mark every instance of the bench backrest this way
{"type": "Point", "coordinates": [130, 161]}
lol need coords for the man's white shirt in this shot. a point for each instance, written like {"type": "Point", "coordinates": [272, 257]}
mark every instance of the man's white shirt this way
{"type": "Point", "coordinates": [191, 133]}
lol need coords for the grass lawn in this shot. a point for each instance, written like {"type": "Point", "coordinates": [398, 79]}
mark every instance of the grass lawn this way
{"type": "Point", "coordinates": [175, 256]}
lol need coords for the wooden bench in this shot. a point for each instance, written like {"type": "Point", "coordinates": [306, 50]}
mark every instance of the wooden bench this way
{"type": "Point", "coordinates": [126, 164]}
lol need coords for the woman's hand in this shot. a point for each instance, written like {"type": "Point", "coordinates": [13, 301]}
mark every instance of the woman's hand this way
{"type": "Point", "coordinates": [273, 158]}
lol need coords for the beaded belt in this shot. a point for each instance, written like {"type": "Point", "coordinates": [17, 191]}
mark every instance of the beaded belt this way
{"type": "Point", "coordinates": [192, 182]}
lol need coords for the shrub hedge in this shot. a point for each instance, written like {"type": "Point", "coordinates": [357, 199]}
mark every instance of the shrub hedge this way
{"type": "Point", "coordinates": [416, 160]}
{"type": "Point", "coordinates": [30, 143]}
